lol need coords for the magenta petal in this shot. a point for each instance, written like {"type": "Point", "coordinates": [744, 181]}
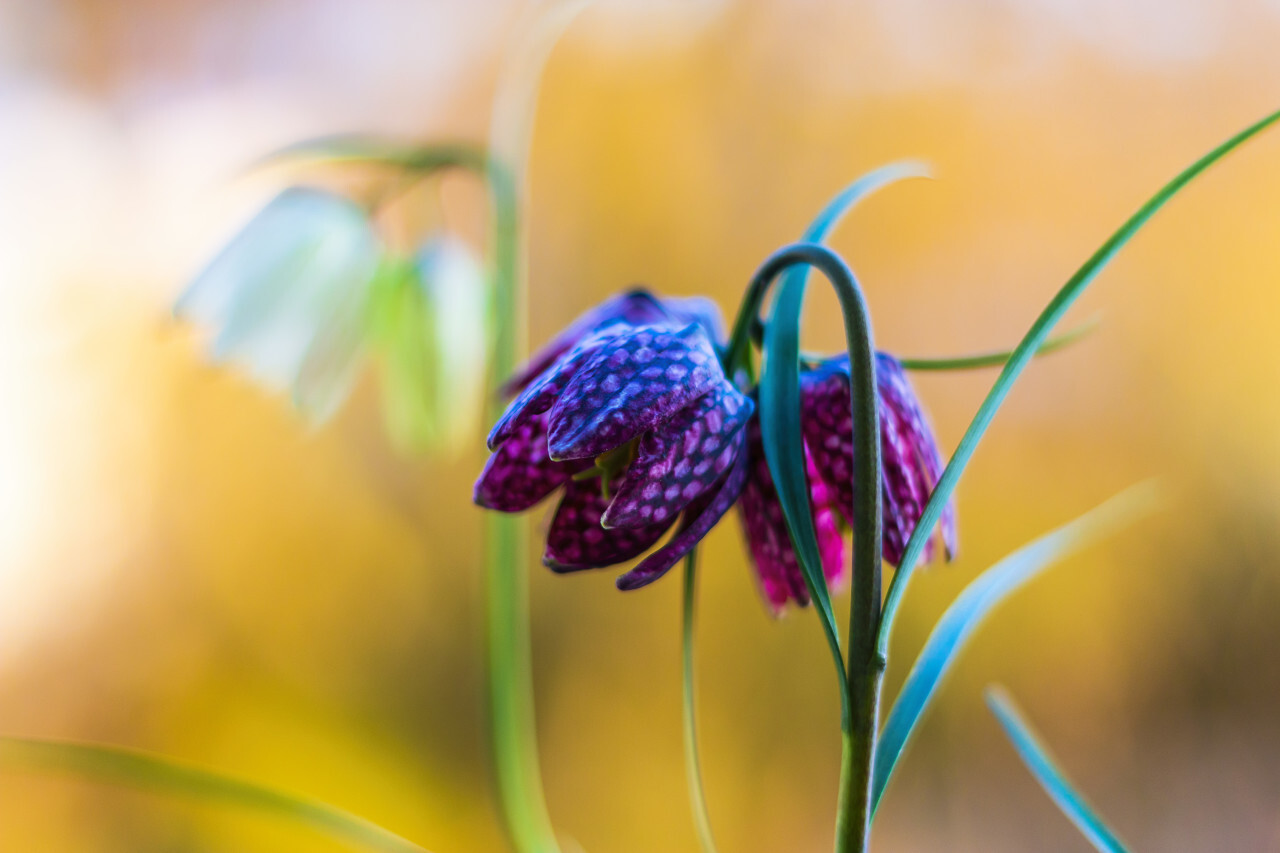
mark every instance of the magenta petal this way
{"type": "Point", "coordinates": [638, 379]}
{"type": "Point", "coordinates": [910, 459]}
{"type": "Point", "coordinates": [699, 518]}
{"type": "Point", "coordinates": [897, 395]}
{"type": "Point", "coordinates": [520, 474]}
{"type": "Point", "coordinates": [680, 459]}
{"type": "Point", "coordinates": [576, 540]}
{"type": "Point", "coordinates": [777, 567]}
{"type": "Point", "coordinates": [905, 491]}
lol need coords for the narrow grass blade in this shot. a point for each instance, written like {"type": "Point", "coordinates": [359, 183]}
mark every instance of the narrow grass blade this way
{"type": "Point", "coordinates": [160, 775]}
{"type": "Point", "coordinates": [780, 397]}
{"type": "Point", "coordinates": [692, 762]}
{"type": "Point", "coordinates": [999, 357]}
{"type": "Point", "coordinates": [977, 601]}
{"type": "Point", "coordinates": [1023, 353]}
{"type": "Point", "coordinates": [747, 322]}
{"type": "Point", "coordinates": [1042, 765]}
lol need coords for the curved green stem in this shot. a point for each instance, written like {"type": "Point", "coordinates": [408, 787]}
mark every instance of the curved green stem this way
{"type": "Point", "coordinates": [779, 393]}
{"type": "Point", "coordinates": [692, 763]}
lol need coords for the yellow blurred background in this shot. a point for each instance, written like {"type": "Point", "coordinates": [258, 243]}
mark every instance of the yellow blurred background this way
{"type": "Point", "coordinates": [186, 568]}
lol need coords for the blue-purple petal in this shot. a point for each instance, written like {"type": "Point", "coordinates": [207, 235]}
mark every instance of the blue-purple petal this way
{"type": "Point", "coordinates": [541, 394]}
{"type": "Point", "coordinates": [680, 459]}
{"type": "Point", "coordinates": [636, 307]}
{"type": "Point", "coordinates": [699, 518]}
{"type": "Point", "coordinates": [639, 378]}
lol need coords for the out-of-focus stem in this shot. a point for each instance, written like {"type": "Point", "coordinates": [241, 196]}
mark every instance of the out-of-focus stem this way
{"type": "Point", "coordinates": [692, 763]}
{"type": "Point", "coordinates": [514, 736]}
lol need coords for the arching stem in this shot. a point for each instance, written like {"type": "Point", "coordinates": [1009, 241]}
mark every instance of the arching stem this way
{"type": "Point", "coordinates": [780, 390]}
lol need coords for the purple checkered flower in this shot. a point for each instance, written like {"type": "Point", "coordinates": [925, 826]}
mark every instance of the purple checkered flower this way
{"type": "Point", "coordinates": [635, 307]}
{"type": "Point", "coordinates": [629, 411]}
{"type": "Point", "coordinates": [911, 465]}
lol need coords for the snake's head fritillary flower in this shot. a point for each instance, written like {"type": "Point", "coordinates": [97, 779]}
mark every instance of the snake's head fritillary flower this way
{"type": "Point", "coordinates": [639, 425]}
{"type": "Point", "coordinates": [635, 307]}
{"type": "Point", "coordinates": [910, 467]}
{"type": "Point", "coordinates": [428, 327]}
{"type": "Point", "coordinates": [285, 297]}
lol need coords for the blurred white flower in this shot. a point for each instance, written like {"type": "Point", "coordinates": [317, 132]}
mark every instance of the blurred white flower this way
{"type": "Point", "coordinates": [286, 298]}
{"type": "Point", "coordinates": [430, 322]}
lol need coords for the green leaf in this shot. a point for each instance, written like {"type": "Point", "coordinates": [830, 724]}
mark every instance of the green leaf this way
{"type": "Point", "coordinates": [977, 601]}
{"type": "Point", "coordinates": [780, 399]}
{"type": "Point", "coordinates": [164, 776]}
{"type": "Point", "coordinates": [999, 357]}
{"type": "Point", "coordinates": [1023, 354]}
{"type": "Point", "coordinates": [1043, 766]}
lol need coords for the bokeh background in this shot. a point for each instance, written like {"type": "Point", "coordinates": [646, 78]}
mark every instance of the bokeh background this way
{"type": "Point", "coordinates": [185, 567]}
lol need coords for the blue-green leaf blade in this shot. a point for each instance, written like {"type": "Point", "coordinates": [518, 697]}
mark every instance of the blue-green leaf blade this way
{"type": "Point", "coordinates": [1042, 765]}
{"type": "Point", "coordinates": [157, 774]}
{"type": "Point", "coordinates": [826, 221]}
{"type": "Point", "coordinates": [1023, 354]}
{"type": "Point", "coordinates": [780, 397]}
{"type": "Point", "coordinates": [977, 601]}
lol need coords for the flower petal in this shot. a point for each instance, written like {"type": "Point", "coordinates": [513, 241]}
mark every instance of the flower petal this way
{"type": "Point", "coordinates": [680, 459]}
{"type": "Point", "coordinates": [289, 278]}
{"type": "Point", "coordinates": [699, 518]}
{"type": "Point", "coordinates": [576, 540]}
{"type": "Point", "coordinates": [638, 379]}
{"type": "Point", "coordinates": [635, 307]}
{"type": "Point", "coordinates": [700, 310]}
{"type": "Point", "coordinates": [540, 394]}
{"type": "Point", "coordinates": [897, 394]}
{"type": "Point", "coordinates": [909, 454]}
{"type": "Point", "coordinates": [777, 568]}
{"type": "Point", "coordinates": [520, 474]}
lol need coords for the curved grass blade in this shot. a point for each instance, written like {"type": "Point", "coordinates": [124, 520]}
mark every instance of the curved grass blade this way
{"type": "Point", "coordinates": [780, 398]}
{"type": "Point", "coordinates": [1042, 765]}
{"type": "Point", "coordinates": [1023, 353]}
{"type": "Point", "coordinates": [513, 733]}
{"type": "Point", "coordinates": [748, 321]}
{"type": "Point", "coordinates": [1000, 357]}
{"type": "Point", "coordinates": [973, 605]}
{"type": "Point", "coordinates": [692, 762]}
{"type": "Point", "coordinates": [164, 776]}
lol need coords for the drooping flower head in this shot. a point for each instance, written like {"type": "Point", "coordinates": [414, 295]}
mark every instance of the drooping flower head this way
{"type": "Point", "coordinates": [629, 411]}
{"type": "Point", "coordinates": [307, 290]}
{"type": "Point", "coordinates": [285, 297]}
{"type": "Point", "coordinates": [910, 467]}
